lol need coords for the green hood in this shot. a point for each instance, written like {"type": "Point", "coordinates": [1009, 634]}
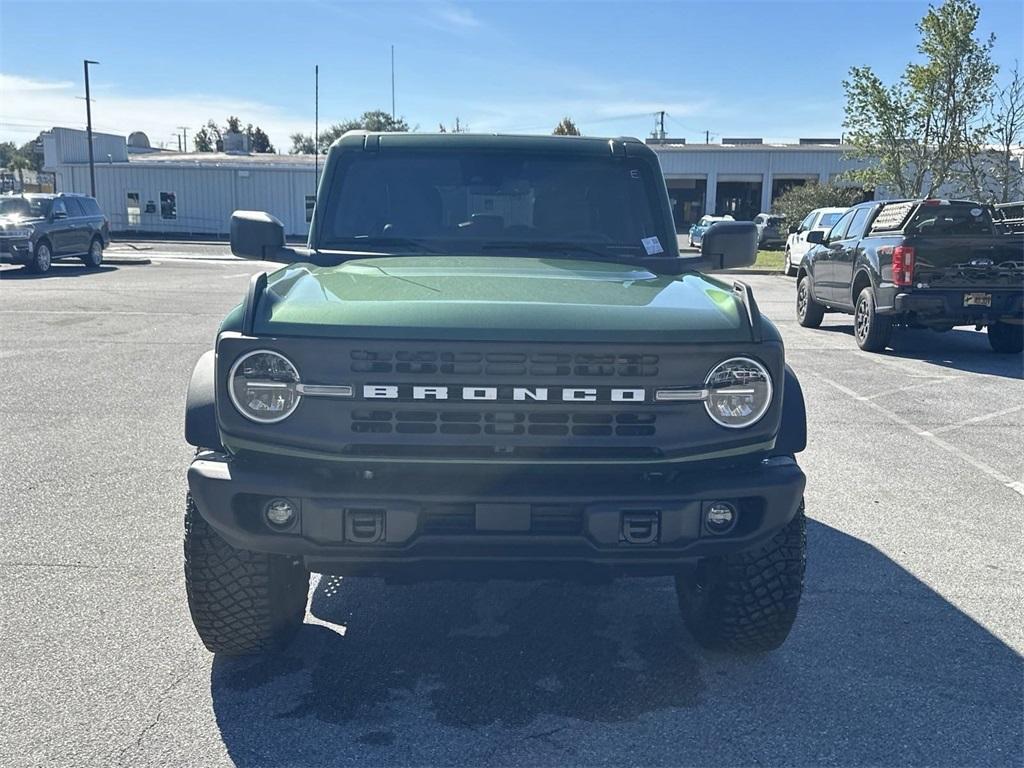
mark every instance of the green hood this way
{"type": "Point", "coordinates": [497, 298]}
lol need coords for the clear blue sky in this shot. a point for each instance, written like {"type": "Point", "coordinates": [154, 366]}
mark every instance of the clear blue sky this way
{"type": "Point", "coordinates": [769, 69]}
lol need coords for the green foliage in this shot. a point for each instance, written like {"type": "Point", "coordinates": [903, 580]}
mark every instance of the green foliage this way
{"type": "Point", "coordinates": [992, 172]}
{"type": "Point", "coordinates": [210, 137]}
{"type": "Point", "coordinates": [207, 137]}
{"type": "Point", "coordinates": [566, 128]}
{"type": "Point", "coordinates": [258, 140]}
{"type": "Point", "coordinates": [375, 120]}
{"type": "Point", "coordinates": [797, 202]}
{"type": "Point", "coordinates": [302, 144]}
{"type": "Point", "coordinates": [921, 128]}
{"type": "Point", "coordinates": [7, 152]}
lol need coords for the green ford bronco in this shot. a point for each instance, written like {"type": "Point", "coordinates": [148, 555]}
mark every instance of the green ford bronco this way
{"type": "Point", "coordinates": [492, 361]}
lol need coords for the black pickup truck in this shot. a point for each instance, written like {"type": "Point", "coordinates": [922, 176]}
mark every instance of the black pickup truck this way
{"type": "Point", "coordinates": [916, 263]}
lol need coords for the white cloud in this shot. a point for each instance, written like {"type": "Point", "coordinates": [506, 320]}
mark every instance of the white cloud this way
{"type": "Point", "coordinates": [30, 105]}
{"type": "Point", "coordinates": [452, 17]}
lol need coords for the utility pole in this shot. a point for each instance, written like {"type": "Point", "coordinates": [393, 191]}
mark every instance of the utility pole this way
{"type": "Point", "coordinates": [178, 137]}
{"type": "Point", "coordinates": [88, 127]}
{"type": "Point", "coordinates": [392, 84]}
{"type": "Point", "coordinates": [316, 127]}
{"type": "Point", "coordinates": [661, 125]}
{"type": "Point", "coordinates": [184, 138]}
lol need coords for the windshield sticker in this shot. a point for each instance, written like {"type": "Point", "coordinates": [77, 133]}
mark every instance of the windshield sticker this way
{"type": "Point", "coordinates": [652, 245]}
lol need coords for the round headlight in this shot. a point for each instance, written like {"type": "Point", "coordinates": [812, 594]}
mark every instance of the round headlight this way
{"type": "Point", "coordinates": [739, 392]}
{"type": "Point", "coordinates": [263, 386]}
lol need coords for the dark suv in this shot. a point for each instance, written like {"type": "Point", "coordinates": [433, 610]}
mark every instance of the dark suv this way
{"type": "Point", "coordinates": [37, 229]}
{"type": "Point", "coordinates": [492, 360]}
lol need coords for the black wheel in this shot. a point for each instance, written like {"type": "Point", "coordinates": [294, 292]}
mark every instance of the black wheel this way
{"type": "Point", "coordinates": [1005, 338]}
{"type": "Point", "coordinates": [789, 269]}
{"type": "Point", "coordinates": [240, 601]}
{"type": "Point", "coordinates": [42, 258]}
{"type": "Point", "coordinates": [94, 257]}
{"type": "Point", "coordinates": [747, 601]}
{"type": "Point", "coordinates": [809, 313]}
{"type": "Point", "coordinates": [871, 330]}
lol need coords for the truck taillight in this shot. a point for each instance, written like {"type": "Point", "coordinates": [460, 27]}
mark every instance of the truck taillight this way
{"type": "Point", "coordinates": [903, 265]}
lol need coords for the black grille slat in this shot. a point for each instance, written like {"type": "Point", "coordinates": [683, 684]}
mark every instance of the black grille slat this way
{"type": "Point", "coordinates": [548, 365]}
{"type": "Point", "coordinates": [506, 423]}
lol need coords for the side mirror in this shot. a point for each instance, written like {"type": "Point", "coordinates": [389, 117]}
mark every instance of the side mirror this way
{"type": "Point", "coordinates": [794, 229]}
{"type": "Point", "coordinates": [729, 245]}
{"type": "Point", "coordinates": [258, 235]}
{"type": "Point", "coordinates": [816, 236]}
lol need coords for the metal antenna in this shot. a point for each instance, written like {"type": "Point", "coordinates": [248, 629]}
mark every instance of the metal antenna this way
{"type": "Point", "coordinates": [392, 84]}
{"type": "Point", "coordinates": [88, 127]}
{"type": "Point", "coordinates": [316, 126]}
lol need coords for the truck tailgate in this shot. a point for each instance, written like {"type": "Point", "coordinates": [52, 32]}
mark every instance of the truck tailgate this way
{"type": "Point", "coordinates": [969, 261]}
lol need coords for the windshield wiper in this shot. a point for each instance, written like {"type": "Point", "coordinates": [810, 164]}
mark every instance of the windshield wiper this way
{"type": "Point", "coordinates": [424, 246]}
{"type": "Point", "coordinates": [549, 246]}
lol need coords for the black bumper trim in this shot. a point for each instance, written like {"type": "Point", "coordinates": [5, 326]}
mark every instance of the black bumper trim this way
{"type": "Point", "coordinates": [229, 494]}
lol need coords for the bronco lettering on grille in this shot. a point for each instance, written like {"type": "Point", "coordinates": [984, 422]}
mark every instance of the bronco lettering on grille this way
{"type": "Point", "coordinates": [510, 394]}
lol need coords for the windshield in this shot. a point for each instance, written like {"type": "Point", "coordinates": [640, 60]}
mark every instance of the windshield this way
{"type": "Point", "coordinates": [466, 200]}
{"type": "Point", "coordinates": [26, 207]}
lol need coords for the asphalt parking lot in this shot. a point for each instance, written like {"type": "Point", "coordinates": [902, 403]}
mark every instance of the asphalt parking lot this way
{"type": "Point", "coordinates": [907, 649]}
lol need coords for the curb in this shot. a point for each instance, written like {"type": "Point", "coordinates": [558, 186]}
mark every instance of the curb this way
{"type": "Point", "coordinates": [125, 261]}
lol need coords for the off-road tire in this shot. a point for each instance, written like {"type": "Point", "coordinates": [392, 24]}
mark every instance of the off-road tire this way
{"type": "Point", "coordinates": [871, 330]}
{"type": "Point", "coordinates": [747, 601]}
{"type": "Point", "coordinates": [42, 258]}
{"type": "Point", "coordinates": [241, 601]}
{"type": "Point", "coordinates": [1006, 339]}
{"type": "Point", "coordinates": [809, 313]}
{"type": "Point", "coordinates": [94, 258]}
{"type": "Point", "coordinates": [788, 269]}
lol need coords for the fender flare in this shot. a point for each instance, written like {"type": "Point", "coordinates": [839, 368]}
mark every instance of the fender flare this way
{"type": "Point", "coordinates": [792, 437]}
{"type": "Point", "coordinates": [201, 428]}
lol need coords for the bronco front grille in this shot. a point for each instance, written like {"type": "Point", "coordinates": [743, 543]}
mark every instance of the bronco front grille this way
{"type": "Point", "coordinates": [547, 364]}
{"type": "Point", "coordinates": [504, 423]}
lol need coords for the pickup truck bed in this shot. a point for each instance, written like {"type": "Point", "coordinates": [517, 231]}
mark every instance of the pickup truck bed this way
{"type": "Point", "coordinates": [923, 263]}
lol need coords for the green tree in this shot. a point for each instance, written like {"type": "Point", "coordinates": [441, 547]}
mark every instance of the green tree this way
{"type": "Point", "coordinates": [302, 144]}
{"type": "Point", "coordinates": [8, 150]}
{"type": "Point", "coordinates": [207, 138]}
{"type": "Point", "coordinates": [798, 201]}
{"type": "Point", "coordinates": [992, 171]}
{"type": "Point", "coordinates": [32, 151]}
{"type": "Point", "coordinates": [258, 140]}
{"type": "Point", "coordinates": [20, 164]}
{"type": "Point", "coordinates": [375, 120]}
{"type": "Point", "coordinates": [566, 128]}
{"type": "Point", "coordinates": [918, 130]}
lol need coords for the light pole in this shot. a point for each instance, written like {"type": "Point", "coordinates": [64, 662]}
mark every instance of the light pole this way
{"type": "Point", "coordinates": [88, 128]}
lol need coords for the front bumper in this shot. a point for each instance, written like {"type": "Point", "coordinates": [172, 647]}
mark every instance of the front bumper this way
{"type": "Point", "coordinates": [947, 306]}
{"type": "Point", "coordinates": [15, 250]}
{"type": "Point", "coordinates": [411, 522]}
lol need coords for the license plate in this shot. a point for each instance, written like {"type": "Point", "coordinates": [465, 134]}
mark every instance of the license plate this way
{"type": "Point", "coordinates": [977, 299]}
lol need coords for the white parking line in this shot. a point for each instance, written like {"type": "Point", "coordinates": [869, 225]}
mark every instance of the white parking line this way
{"type": "Point", "coordinates": [975, 420]}
{"type": "Point", "coordinates": [920, 384]}
{"type": "Point", "coordinates": [995, 474]}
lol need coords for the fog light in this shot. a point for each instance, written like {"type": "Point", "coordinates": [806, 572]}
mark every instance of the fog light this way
{"type": "Point", "coordinates": [280, 513]}
{"type": "Point", "coordinates": [720, 517]}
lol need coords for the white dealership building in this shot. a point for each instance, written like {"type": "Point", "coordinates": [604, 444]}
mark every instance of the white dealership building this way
{"type": "Point", "coordinates": [158, 191]}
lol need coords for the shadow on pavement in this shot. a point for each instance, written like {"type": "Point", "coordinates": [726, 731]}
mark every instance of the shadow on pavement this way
{"type": "Point", "coordinates": [880, 669]}
{"type": "Point", "coordinates": [960, 349]}
{"type": "Point", "coordinates": [56, 270]}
